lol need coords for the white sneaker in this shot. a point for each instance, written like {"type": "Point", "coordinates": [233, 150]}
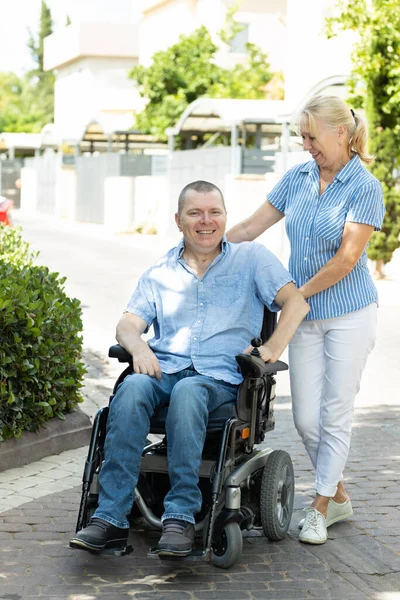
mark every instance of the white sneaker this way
{"type": "Point", "coordinates": [314, 529]}
{"type": "Point", "coordinates": [336, 512]}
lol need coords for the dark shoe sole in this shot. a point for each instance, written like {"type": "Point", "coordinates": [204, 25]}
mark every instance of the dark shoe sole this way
{"type": "Point", "coordinates": [82, 545]}
{"type": "Point", "coordinates": [166, 552]}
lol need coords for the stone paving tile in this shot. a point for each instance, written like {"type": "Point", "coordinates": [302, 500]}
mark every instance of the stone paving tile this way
{"type": "Point", "coordinates": [266, 570]}
{"type": "Point", "coordinates": [360, 560]}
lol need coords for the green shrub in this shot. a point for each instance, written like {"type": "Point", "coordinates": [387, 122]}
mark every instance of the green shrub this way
{"type": "Point", "coordinates": [41, 370]}
{"type": "Point", "coordinates": [13, 249]}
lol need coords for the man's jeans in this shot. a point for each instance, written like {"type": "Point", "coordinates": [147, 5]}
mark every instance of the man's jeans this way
{"type": "Point", "coordinates": [190, 397]}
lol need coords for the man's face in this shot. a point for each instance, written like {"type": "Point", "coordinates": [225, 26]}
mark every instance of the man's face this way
{"type": "Point", "coordinates": [202, 221]}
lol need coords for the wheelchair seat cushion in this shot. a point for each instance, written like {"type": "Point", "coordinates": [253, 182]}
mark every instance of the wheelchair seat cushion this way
{"type": "Point", "coordinates": [216, 419]}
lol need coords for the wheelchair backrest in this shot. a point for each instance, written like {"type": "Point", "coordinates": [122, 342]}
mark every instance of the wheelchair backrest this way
{"type": "Point", "coordinates": [269, 324]}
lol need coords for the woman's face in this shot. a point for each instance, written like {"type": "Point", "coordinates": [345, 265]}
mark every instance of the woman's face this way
{"type": "Point", "coordinates": [328, 147]}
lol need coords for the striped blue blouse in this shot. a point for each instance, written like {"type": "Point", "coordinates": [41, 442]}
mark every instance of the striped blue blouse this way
{"type": "Point", "coordinates": [314, 225]}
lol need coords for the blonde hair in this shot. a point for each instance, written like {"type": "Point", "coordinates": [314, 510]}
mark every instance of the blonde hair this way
{"type": "Point", "coordinates": [334, 112]}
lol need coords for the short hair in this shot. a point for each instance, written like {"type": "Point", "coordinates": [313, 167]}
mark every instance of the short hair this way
{"type": "Point", "coordinates": [202, 187]}
{"type": "Point", "coordinates": [334, 112]}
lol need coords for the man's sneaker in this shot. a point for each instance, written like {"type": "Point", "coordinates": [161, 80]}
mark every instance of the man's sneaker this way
{"type": "Point", "coordinates": [177, 538]}
{"type": "Point", "coordinates": [99, 535]}
{"type": "Point", "coordinates": [337, 511]}
{"type": "Point", "coordinates": [314, 528]}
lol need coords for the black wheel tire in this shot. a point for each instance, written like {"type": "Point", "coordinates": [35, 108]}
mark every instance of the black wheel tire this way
{"type": "Point", "coordinates": [227, 552]}
{"type": "Point", "coordinates": [277, 495]}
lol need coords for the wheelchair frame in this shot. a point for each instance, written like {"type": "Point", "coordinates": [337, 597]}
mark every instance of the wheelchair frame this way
{"type": "Point", "coordinates": [236, 464]}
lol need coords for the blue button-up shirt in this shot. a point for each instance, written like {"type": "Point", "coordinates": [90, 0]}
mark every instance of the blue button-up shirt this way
{"type": "Point", "coordinates": [315, 224]}
{"type": "Point", "coordinates": [207, 321]}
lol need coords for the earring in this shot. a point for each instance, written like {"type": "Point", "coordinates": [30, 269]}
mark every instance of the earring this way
{"type": "Point", "coordinates": [340, 142]}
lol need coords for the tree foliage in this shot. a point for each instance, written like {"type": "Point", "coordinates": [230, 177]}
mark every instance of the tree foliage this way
{"type": "Point", "coordinates": [15, 111]}
{"type": "Point", "coordinates": [375, 87]}
{"type": "Point", "coordinates": [41, 81]}
{"type": "Point", "coordinates": [187, 71]}
{"type": "Point", "coordinates": [27, 103]}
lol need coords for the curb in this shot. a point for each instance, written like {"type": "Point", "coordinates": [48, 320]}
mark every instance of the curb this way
{"type": "Point", "coordinates": [54, 437]}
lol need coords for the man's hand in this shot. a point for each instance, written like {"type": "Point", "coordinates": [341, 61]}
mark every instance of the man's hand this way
{"type": "Point", "coordinates": [265, 353]}
{"type": "Point", "coordinates": [129, 330]}
{"type": "Point", "coordinates": [145, 361]}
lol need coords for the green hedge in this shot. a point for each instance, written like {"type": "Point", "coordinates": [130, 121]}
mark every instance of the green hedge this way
{"type": "Point", "coordinates": [41, 370]}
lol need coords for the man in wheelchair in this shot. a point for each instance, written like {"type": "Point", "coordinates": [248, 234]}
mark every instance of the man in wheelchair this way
{"type": "Point", "coordinates": [205, 299]}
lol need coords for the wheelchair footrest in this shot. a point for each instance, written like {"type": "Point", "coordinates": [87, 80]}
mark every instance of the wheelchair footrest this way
{"type": "Point", "coordinates": [195, 555]}
{"type": "Point", "coordinates": [123, 551]}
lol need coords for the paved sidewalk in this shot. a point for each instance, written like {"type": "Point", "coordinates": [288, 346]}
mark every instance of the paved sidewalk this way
{"type": "Point", "coordinates": [361, 560]}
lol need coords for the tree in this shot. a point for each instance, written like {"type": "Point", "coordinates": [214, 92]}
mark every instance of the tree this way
{"type": "Point", "coordinates": [41, 81]}
{"type": "Point", "coordinates": [15, 110]}
{"type": "Point", "coordinates": [186, 71]}
{"type": "Point", "coordinates": [375, 87]}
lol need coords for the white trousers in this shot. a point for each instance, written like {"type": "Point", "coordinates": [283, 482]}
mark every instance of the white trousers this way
{"type": "Point", "coordinates": [326, 360]}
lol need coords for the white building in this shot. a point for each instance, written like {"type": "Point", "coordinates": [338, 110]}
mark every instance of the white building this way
{"type": "Point", "coordinates": [264, 24]}
{"type": "Point", "coordinates": [290, 31]}
{"type": "Point", "coordinates": [91, 62]}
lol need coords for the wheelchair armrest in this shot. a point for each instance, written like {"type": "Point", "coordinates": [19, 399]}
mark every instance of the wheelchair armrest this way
{"type": "Point", "coordinates": [119, 352]}
{"type": "Point", "coordinates": [252, 366]}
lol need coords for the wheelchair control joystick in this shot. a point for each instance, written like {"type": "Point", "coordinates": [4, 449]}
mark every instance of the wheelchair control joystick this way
{"type": "Point", "coordinates": [256, 342]}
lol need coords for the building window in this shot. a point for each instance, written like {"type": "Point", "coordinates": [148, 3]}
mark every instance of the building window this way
{"type": "Point", "coordinates": [238, 43]}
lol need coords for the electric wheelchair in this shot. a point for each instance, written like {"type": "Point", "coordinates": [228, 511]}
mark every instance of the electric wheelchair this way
{"type": "Point", "coordinates": [243, 484]}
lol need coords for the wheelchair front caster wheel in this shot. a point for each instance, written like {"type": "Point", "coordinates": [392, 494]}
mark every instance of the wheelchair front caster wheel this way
{"type": "Point", "coordinates": [277, 495]}
{"type": "Point", "coordinates": [228, 550]}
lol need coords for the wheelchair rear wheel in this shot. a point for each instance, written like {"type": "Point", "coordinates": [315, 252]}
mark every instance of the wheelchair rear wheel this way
{"type": "Point", "coordinates": [277, 495]}
{"type": "Point", "coordinates": [227, 552]}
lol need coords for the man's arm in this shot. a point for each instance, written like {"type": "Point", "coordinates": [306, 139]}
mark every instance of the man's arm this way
{"type": "Point", "coordinates": [129, 330]}
{"type": "Point", "coordinates": [294, 309]}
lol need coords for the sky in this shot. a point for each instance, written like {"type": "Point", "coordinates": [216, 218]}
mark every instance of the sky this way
{"type": "Point", "coordinates": [18, 16]}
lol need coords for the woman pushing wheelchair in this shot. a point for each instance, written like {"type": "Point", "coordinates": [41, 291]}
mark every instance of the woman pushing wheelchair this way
{"type": "Point", "coordinates": [332, 205]}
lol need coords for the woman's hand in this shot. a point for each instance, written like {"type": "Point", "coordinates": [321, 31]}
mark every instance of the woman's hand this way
{"type": "Point", "coordinates": [265, 353]}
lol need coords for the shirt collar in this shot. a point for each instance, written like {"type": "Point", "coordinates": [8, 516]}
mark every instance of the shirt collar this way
{"type": "Point", "coordinates": [181, 247]}
{"type": "Point", "coordinates": [352, 167]}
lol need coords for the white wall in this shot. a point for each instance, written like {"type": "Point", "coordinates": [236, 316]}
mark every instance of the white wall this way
{"type": "Point", "coordinates": [136, 202]}
{"type": "Point", "coordinates": [310, 58]}
{"type": "Point", "coordinates": [161, 27]}
{"type": "Point", "coordinates": [94, 89]}
{"type": "Point", "coordinates": [90, 39]}
{"type": "Point", "coordinates": [243, 195]}
{"type": "Point", "coordinates": [29, 183]}
{"type": "Point", "coordinates": [65, 192]}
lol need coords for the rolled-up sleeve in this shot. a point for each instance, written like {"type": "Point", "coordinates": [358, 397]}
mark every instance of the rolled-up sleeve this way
{"type": "Point", "coordinates": [142, 302]}
{"type": "Point", "coordinates": [367, 206]}
{"type": "Point", "coordinates": [269, 276]}
{"type": "Point", "coordinates": [279, 194]}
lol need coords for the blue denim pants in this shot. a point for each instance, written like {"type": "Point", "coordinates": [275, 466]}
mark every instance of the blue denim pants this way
{"type": "Point", "coordinates": [190, 397]}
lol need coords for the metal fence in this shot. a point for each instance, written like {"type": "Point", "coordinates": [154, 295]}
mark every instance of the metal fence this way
{"type": "Point", "coordinates": [92, 170]}
{"type": "Point", "coordinates": [10, 174]}
{"type": "Point", "coordinates": [258, 161]}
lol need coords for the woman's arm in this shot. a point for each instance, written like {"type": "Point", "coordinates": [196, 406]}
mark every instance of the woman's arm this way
{"type": "Point", "coordinates": [247, 230]}
{"type": "Point", "coordinates": [354, 240]}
